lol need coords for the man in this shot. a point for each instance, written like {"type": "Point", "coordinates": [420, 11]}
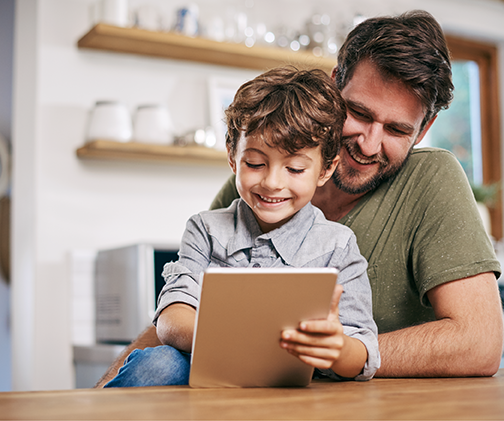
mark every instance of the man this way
{"type": "Point", "coordinates": [431, 266]}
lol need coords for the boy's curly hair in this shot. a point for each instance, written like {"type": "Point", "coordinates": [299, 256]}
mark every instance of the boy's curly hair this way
{"type": "Point", "coordinates": [293, 109]}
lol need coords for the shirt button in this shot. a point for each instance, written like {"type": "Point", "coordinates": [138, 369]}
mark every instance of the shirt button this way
{"type": "Point", "coordinates": [256, 265]}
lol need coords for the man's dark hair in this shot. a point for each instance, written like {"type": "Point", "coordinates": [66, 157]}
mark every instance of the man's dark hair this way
{"type": "Point", "coordinates": [411, 48]}
{"type": "Point", "coordinates": [292, 108]}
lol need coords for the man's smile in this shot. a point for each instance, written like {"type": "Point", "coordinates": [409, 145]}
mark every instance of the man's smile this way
{"type": "Point", "coordinates": [354, 152]}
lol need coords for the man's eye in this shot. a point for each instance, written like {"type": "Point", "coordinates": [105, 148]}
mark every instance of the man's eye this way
{"type": "Point", "coordinates": [358, 114]}
{"type": "Point", "coordinates": [253, 166]}
{"type": "Point", "coordinates": [397, 132]}
{"type": "Point", "coordinates": [296, 170]}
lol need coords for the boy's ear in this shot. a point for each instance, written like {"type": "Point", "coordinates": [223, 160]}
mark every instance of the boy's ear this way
{"type": "Point", "coordinates": [326, 174]}
{"type": "Point", "coordinates": [231, 160]}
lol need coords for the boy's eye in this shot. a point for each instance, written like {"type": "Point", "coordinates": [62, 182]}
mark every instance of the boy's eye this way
{"type": "Point", "coordinates": [253, 166]}
{"type": "Point", "coordinates": [296, 170]}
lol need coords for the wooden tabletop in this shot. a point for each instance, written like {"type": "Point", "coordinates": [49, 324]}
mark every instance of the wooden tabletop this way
{"type": "Point", "coordinates": [461, 399]}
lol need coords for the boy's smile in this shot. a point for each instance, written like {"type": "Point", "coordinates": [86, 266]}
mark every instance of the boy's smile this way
{"type": "Point", "coordinates": [274, 183]}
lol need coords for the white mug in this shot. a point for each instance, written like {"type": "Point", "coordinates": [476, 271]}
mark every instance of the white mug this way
{"type": "Point", "coordinates": [110, 120]}
{"type": "Point", "coordinates": [147, 16]}
{"type": "Point", "coordinates": [188, 20]}
{"type": "Point", "coordinates": [152, 124]}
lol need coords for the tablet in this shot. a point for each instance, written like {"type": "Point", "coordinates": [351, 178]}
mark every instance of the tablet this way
{"type": "Point", "coordinates": [239, 320]}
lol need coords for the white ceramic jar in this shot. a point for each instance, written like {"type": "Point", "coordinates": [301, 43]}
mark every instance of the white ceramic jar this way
{"type": "Point", "coordinates": [110, 120]}
{"type": "Point", "coordinates": [152, 123]}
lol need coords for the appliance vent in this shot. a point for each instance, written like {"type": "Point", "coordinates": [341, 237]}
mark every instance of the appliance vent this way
{"type": "Point", "coordinates": [109, 307]}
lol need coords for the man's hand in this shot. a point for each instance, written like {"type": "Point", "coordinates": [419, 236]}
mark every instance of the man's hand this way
{"type": "Point", "coordinates": [322, 343]}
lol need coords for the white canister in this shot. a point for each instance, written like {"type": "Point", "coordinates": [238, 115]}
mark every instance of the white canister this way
{"type": "Point", "coordinates": [112, 12]}
{"type": "Point", "coordinates": [110, 120]}
{"type": "Point", "coordinates": [153, 124]}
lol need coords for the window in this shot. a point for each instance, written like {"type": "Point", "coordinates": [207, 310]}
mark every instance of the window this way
{"type": "Point", "coordinates": [470, 127]}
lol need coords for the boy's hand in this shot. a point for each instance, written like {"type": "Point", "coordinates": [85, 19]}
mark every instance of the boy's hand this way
{"type": "Point", "coordinates": [318, 342]}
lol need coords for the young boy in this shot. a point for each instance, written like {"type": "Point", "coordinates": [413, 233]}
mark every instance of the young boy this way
{"type": "Point", "coordinates": [284, 130]}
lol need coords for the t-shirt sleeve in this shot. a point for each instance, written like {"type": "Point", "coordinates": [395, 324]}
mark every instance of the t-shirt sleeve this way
{"type": "Point", "coordinates": [450, 242]}
{"type": "Point", "coordinates": [226, 194]}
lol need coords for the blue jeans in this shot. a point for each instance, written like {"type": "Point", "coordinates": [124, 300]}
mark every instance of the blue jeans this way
{"type": "Point", "coordinates": [159, 366]}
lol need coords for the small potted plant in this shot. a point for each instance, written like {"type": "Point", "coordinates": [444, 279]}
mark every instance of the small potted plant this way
{"type": "Point", "coordinates": [486, 196]}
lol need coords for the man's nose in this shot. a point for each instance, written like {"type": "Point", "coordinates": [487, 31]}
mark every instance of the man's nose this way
{"type": "Point", "coordinates": [370, 142]}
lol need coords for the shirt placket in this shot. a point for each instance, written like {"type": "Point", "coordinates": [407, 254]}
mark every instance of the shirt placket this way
{"type": "Point", "coordinates": [263, 254]}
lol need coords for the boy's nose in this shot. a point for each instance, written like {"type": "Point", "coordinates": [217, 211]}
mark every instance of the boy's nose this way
{"type": "Point", "coordinates": [273, 180]}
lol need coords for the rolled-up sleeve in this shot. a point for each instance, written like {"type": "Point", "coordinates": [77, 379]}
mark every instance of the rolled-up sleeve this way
{"type": "Point", "coordinates": [182, 278]}
{"type": "Point", "coordinates": [355, 308]}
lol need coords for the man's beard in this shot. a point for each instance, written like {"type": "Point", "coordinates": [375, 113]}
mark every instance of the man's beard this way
{"type": "Point", "coordinates": [385, 170]}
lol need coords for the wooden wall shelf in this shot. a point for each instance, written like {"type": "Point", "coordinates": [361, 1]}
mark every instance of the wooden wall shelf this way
{"type": "Point", "coordinates": [174, 46]}
{"type": "Point", "coordinates": [136, 151]}
{"type": "Point", "coordinates": [179, 47]}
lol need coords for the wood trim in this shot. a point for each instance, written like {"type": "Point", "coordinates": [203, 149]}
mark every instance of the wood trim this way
{"type": "Point", "coordinates": [5, 228]}
{"type": "Point", "coordinates": [485, 55]}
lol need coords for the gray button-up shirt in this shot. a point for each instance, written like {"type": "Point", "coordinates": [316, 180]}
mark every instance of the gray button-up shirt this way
{"type": "Point", "coordinates": [232, 238]}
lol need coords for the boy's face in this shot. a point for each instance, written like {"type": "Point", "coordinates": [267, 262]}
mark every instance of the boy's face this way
{"type": "Point", "coordinates": [274, 183]}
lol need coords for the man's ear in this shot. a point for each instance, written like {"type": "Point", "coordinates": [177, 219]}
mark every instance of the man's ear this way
{"type": "Point", "coordinates": [425, 129]}
{"type": "Point", "coordinates": [326, 174]}
{"type": "Point", "coordinates": [231, 160]}
{"type": "Point", "coordinates": [333, 72]}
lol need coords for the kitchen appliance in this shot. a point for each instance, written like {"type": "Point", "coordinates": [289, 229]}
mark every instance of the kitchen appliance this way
{"type": "Point", "coordinates": [127, 283]}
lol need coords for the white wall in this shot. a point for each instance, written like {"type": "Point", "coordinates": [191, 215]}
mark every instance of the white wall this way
{"type": "Point", "coordinates": [61, 203]}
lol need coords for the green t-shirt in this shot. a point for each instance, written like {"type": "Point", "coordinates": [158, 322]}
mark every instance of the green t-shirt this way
{"type": "Point", "coordinates": [418, 230]}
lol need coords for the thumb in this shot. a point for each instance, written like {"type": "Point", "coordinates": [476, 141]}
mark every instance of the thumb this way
{"type": "Point", "coordinates": [334, 311]}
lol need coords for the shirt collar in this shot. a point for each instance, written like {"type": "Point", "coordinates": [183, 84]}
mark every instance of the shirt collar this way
{"type": "Point", "coordinates": [286, 240]}
{"type": "Point", "coordinates": [246, 231]}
